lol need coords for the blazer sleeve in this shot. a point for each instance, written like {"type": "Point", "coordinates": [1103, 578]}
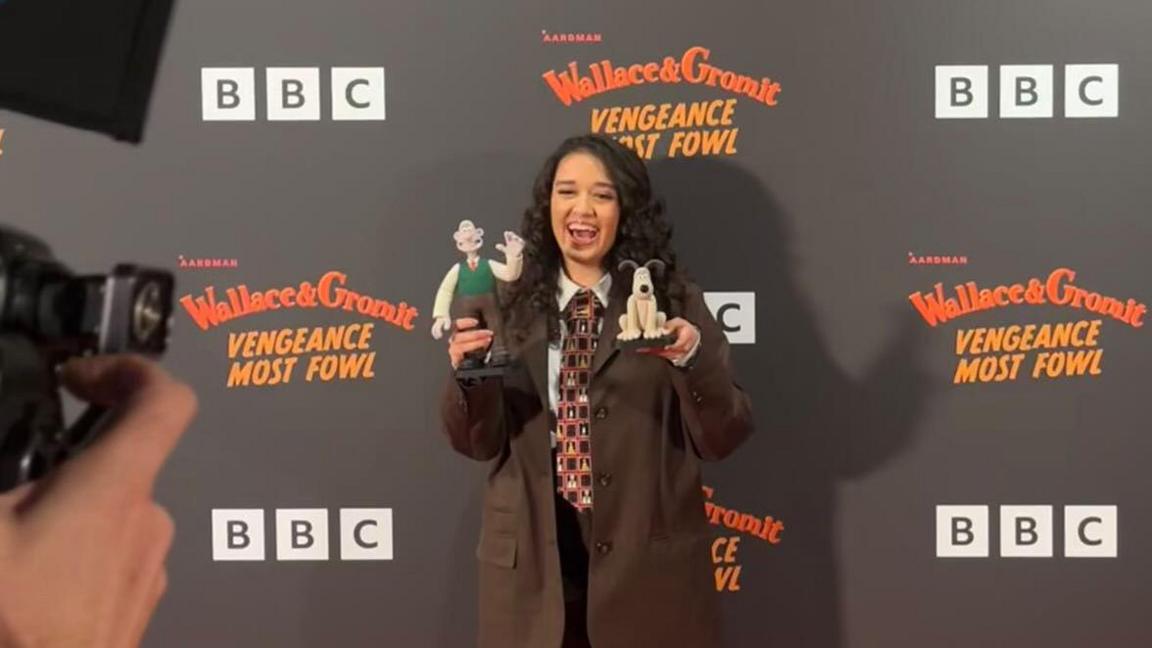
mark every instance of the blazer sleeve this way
{"type": "Point", "coordinates": [474, 417]}
{"type": "Point", "coordinates": [715, 410]}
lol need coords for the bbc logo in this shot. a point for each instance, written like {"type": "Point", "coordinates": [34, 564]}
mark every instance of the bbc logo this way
{"type": "Point", "coordinates": [1026, 532]}
{"type": "Point", "coordinates": [1027, 91]}
{"type": "Point", "coordinates": [736, 313]}
{"type": "Point", "coordinates": [292, 93]}
{"type": "Point", "coordinates": [302, 534]}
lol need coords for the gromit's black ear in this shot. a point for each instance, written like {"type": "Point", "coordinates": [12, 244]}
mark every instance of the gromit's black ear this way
{"type": "Point", "coordinates": [627, 264]}
{"type": "Point", "coordinates": [655, 264]}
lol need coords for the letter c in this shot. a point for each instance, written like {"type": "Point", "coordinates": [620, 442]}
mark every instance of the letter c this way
{"type": "Point", "coordinates": [352, 100]}
{"type": "Point", "coordinates": [722, 312]}
{"type": "Point", "coordinates": [356, 534]}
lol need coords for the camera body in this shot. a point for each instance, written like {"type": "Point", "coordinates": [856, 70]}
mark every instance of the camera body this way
{"type": "Point", "coordinates": [48, 315]}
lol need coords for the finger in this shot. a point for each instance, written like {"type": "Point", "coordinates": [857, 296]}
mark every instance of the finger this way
{"type": "Point", "coordinates": [145, 587]}
{"type": "Point", "coordinates": [136, 629]}
{"type": "Point", "coordinates": [149, 411]}
{"type": "Point", "coordinates": [466, 323]}
{"type": "Point", "coordinates": [682, 344]}
{"type": "Point", "coordinates": [499, 247]}
{"type": "Point", "coordinates": [471, 336]}
{"type": "Point", "coordinates": [465, 347]}
{"type": "Point", "coordinates": [109, 379]}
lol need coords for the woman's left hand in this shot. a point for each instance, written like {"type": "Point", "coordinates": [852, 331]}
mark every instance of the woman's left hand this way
{"type": "Point", "coordinates": [687, 335]}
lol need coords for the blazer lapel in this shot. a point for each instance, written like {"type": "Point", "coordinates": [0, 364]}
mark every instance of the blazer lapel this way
{"type": "Point", "coordinates": [606, 344]}
{"type": "Point", "coordinates": [534, 355]}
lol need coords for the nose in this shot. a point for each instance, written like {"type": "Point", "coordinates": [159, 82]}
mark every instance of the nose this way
{"type": "Point", "coordinates": [583, 204]}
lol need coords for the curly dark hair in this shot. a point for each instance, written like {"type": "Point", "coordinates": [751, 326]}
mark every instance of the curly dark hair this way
{"type": "Point", "coordinates": [643, 234]}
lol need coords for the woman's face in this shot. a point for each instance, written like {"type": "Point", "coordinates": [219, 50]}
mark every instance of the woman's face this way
{"type": "Point", "coordinates": [585, 210]}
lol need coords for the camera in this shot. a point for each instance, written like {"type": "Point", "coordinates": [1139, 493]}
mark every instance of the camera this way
{"type": "Point", "coordinates": [48, 314]}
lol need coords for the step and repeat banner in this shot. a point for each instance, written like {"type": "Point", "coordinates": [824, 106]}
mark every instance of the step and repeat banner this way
{"type": "Point", "coordinates": [923, 225]}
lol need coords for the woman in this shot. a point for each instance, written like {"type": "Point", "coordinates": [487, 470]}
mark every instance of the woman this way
{"type": "Point", "coordinates": [593, 529]}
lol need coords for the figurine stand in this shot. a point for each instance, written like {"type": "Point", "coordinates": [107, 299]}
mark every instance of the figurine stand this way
{"type": "Point", "coordinates": [482, 365]}
{"type": "Point", "coordinates": [645, 343]}
{"type": "Point", "coordinates": [482, 371]}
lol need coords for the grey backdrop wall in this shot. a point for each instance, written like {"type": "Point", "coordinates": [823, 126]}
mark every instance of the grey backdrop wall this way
{"type": "Point", "coordinates": [840, 193]}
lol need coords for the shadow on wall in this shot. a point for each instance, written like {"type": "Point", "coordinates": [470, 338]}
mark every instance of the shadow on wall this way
{"type": "Point", "coordinates": [815, 425]}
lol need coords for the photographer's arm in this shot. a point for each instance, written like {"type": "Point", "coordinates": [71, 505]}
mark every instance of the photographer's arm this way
{"type": "Point", "coordinates": [82, 551]}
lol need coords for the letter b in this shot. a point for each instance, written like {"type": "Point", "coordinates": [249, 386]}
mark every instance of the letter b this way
{"type": "Point", "coordinates": [293, 94]}
{"type": "Point", "coordinates": [237, 534]}
{"type": "Point", "coordinates": [1026, 531]}
{"type": "Point", "coordinates": [1026, 91]}
{"type": "Point", "coordinates": [961, 531]}
{"type": "Point", "coordinates": [228, 94]}
{"type": "Point", "coordinates": [302, 534]}
{"type": "Point", "coordinates": [961, 91]}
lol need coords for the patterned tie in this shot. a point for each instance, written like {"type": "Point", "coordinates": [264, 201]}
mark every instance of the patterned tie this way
{"type": "Point", "coordinates": [573, 441]}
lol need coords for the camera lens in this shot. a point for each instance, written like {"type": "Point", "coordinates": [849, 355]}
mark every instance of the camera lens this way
{"type": "Point", "coordinates": [147, 312]}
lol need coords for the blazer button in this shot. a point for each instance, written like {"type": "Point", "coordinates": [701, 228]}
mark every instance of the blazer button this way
{"type": "Point", "coordinates": [603, 548]}
{"type": "Point", "coordinates": [602, 413]}
{"type": "Point", "coordinates": [697, 397]}
{"type": "Point", "coordinates": [605, 479]}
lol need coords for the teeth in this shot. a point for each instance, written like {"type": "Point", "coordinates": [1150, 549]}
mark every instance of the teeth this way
{"type": "Point", "coordinates": [582, 228]}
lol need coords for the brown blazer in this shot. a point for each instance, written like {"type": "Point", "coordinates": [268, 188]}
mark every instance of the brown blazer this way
{"type": "Point", "coordinates": [650, 575]}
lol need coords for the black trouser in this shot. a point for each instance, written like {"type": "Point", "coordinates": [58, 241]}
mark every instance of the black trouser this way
{"type": "Point", "coordinates": [573, 536]}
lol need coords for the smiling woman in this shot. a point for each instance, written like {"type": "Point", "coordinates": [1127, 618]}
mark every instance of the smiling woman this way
{"type": "Point", "coordinates": [579, 428]}
{"type": "Point", "coordinates": [585, 215]}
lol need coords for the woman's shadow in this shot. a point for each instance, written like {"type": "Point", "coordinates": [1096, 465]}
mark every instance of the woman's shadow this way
{"type": "Point", "coordinates": [816, 426]}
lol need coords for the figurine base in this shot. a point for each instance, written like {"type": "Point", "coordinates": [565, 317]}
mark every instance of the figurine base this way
{"type": "Point", "coordinates": [480, 372]}
{"type": "Point", "coordinates": [645, 343]}
{"type": "Point", "coordinates": [476, 366]}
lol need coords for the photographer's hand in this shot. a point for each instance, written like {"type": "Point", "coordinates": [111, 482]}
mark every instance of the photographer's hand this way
{"type": "Point", "coordinates": [82, 551]}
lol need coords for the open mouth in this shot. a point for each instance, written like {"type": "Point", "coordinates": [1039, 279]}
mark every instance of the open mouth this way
{"type": "Point", "coordinates": [583, 234]}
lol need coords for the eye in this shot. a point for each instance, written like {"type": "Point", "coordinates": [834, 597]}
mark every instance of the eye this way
{"type": "Point", "coordinates": [606, 196]}
{"type": "Point", "coordinates": [565, 192]}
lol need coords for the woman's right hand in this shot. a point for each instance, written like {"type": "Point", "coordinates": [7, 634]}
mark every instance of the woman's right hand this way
{"type": "Point", "coordinates": [467, 338]}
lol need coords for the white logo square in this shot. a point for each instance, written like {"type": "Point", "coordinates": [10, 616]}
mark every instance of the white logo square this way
{"type": "Point", "coordinates": [1026, 531]}
{"type": "Point", "coordinates": [237, 534]}
{"type": "Point", "coordinates": [961, 531]}
{"type": "Point", "coordinates": [293, 93]}
{"type": "Point", "coordinates": [736, 314]}
{"type": "Point", "coordinates": [228, 94]}
{"type": "Point", "coordinates": [1026, 91]}
{"type": "Point", "coordinates": [366, 534]}
{"type": "Point", "coordinates": [1091, 532]}
{"type": "Point", "coordinates": [1091, 90]}
{"type": "Point", "coordinates": [961, 91]}
{"type": "Point", "coordinates": [302, 534]}
{"type": "Point", "coordinates": [358, 93]}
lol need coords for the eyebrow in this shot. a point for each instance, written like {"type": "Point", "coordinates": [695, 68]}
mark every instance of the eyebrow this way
{"type": "Point", "coordinates": [606, 185]}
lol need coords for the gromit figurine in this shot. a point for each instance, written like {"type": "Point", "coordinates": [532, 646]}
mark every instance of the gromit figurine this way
{"type": "Point", "coordinates": [469, 290]}
{"type": "Point", "coordinates": [642, 324]}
